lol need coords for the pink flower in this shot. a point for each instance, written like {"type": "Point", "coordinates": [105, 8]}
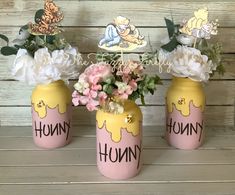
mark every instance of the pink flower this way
{"type": "Point", "coordinates": [135, 67]}
{"type": "Point", "coordinates": [98, 72]}
{"type": "Point", "coordinates": [123, 91]}
{"type": "Point", "coordinates": [75, 98]}
{"type": "Point", "coordinates": [126, 78]}
{"type": "Point", "coordinates": [96, 87]}
{"type": "Point", "coordinates": [92, 105]}
{"type": "Point", "coordinates": [78, 99]}
{"type": "Point", "coordinates": [102, 97]}
{"type": "Point", "coordinates": [84, 100]}
{"type": "Point", "coordinates": [133, 85]}
{"type": "Point", "coordinates": [90, 93]}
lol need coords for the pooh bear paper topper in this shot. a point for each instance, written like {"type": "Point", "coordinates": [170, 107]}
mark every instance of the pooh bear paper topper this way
{"type": "Point", "coordinates": [121, 36]}
{"type": "Point", "coordinates": [47, 20]}
{"type": "Point", "coordinates": [199, 26]}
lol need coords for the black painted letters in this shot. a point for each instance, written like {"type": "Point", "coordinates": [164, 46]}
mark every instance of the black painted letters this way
{"type": "Point", "coordinates": [50, 129]}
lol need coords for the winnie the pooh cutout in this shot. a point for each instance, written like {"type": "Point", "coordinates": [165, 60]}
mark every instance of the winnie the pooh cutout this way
{"type": "Point", "coordinates": [121, 36]}
{"type": "Point", "coordinates": [199, 25]}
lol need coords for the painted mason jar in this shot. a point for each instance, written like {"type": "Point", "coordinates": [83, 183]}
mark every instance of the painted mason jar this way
{"type": "Point", "coordinates": [185, 104]}
{"type": "Point", "coordinates": [119, 142]}
{"type": "Point", "coordinates": [51, 115]}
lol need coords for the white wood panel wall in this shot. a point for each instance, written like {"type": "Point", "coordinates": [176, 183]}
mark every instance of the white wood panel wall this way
{"type": "Point", "coordinates": [84, 25]}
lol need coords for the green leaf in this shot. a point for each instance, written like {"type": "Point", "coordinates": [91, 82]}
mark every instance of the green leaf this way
{"type": "Point", "coordinates": [134, 96]}
{"type": "Point", "coordinates": [142, 99]}
{"type": "Point", "coordinates": [108, 89]}
{"type": "Point", "coordinates": [19, 46]}
{"type": "Point", "coordinates": [109, 80]}
{"type": "Point", "coordinates": [7, 51]}
{"type": "Point", "coordinates": [5, 38]}
{"type": "Point", "coordinates": [25, 27]}
{"type": "Point", "coordinates": [39, 41]}
{"type": "Point", "coordinates": [170, 27]}
{"type": "Point", "coordinates": [171, 45]}
{"type": "Point", "coordinates": [50, 38]}
{"type": "Point", "coordinates": [38, 15]}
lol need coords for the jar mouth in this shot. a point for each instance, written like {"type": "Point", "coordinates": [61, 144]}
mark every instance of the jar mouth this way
{"type": "Point", "coordinates": [185, 80]}
{"type": "Point", "coordinates": [54, 83]}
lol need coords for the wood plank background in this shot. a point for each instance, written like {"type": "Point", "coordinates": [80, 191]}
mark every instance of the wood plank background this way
{"type": "Point", "coordinates": [84, 25]}
{"type": "Point", "coordinates": [26, 169]}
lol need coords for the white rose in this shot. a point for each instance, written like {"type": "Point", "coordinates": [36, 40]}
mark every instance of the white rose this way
{"type": "Point", "coordinates": [42, 57]}
{"type": "Point", "coordinates": [45, 68]}
{"type": "Point", "coordinates": [189, 62]}
{"type": "Point", "coordinates": [23, 67]}
{"type": "Point", "coordinates": [47, 74]}
{"type": "Point", "coordinates": [67, 62]}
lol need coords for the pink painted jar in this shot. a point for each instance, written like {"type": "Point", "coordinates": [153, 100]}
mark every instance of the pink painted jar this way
{"type": "Point", "coordinates": [185, 104]}
{"type": "Point", "coordinates": [51, 115]}
{"type": "Point", "coordinates": [119, 142]}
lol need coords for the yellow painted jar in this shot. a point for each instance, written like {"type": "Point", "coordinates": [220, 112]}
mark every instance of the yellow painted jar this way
{"type": "Point", "coordinates": [51, 115]}
{"type": "Point", "coordinates": [185, 105]}
{"type": "Point", "coordinates": [119, 142]}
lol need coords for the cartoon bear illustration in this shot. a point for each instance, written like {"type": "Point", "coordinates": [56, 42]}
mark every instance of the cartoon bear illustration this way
{"type": "Point", "coordinates": [200, 18]}
{"type": "Point", "coordinates": [121, 30]}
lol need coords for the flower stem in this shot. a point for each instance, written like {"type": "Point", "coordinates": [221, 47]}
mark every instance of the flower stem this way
{"type": "Point", "coordinates": [195, 42]}
{"type": "Point", "coordinates": [122, 57]}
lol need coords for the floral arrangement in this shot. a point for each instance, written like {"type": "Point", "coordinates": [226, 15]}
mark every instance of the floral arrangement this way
{"type": "Point", "coordinates": [187, 52]}
{"type": "Point", "coordinates": [42, 53]}
{"type": "Point", "coordinates": [106, 84]}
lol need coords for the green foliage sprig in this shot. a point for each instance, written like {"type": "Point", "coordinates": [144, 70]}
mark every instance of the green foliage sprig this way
{"type": "Point", "coordinates": [33, 42]}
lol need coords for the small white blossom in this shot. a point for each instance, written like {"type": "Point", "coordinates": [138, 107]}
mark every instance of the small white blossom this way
{"type": "Point", "coordinates": [116, 108]}
{"type": "Point", "coordinates": [185, 39]}
{"type": "Point", "coordinates": [21, 38]}
{"type": "Point", "coordinates": [81, 85]}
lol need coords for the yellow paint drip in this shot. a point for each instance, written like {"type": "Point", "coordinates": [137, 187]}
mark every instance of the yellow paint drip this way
{"type": "Point", "coordinates": [182, 92]}
{"type": "Point", "coordinates": [52, 95]}
{"type": "Point", "coordinates": [115, 122]}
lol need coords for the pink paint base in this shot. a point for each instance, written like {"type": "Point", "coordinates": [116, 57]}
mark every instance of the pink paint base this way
{"type": "Point", "coordinates": [123, 169]}
{"type": "Point", "coordinates": [177, 123]}
{"type": "Point", "coordinates": [53, 122]}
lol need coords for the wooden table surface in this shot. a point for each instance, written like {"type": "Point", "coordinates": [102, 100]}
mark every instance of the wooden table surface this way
{"type": "Point", "coordinates": [28, 170]}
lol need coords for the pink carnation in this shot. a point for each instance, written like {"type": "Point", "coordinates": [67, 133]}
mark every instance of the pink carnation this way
{"type": "Point", "coordinates": [97, 72]}
{"type": "Point", "coordinates": [102, 97]}
{"type": "Point", "coordinates": [75, 98]}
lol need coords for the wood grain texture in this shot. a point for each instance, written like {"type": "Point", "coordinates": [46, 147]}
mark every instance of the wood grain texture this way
{"type": "Point", "coordinates": [83, 157]}
{"type": "Point", "coordinates": [20, 151]}
{"type": "Point", "coordinates": [15, 144]}
{"type": "Point", "coordinates": [26, 169]}
{"type": "Point", "coordinates": [89, 174]}
{"type": "Point", "coordinates": [100, 13]}
{"type": "Point", "coordinates": [87, 39]}
{"type": "Point", "coordinates": [89, 131]}
{"type": "Point", "coordinates": [122, 188]}
{"type": "Point", "coordinates": [224, 90]}
{"type": "Point", "coordinates": [153, 115]}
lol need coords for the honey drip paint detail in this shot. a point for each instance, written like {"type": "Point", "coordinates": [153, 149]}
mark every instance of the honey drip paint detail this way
{"type": "Point", "coordinates": [114, 123]}
{"type": "Point", "coordinates": [182, 93]}
{"type": "Point", "coordinates": [51, 96]}
{"type": "Point", "coordinates": [184, 108]}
